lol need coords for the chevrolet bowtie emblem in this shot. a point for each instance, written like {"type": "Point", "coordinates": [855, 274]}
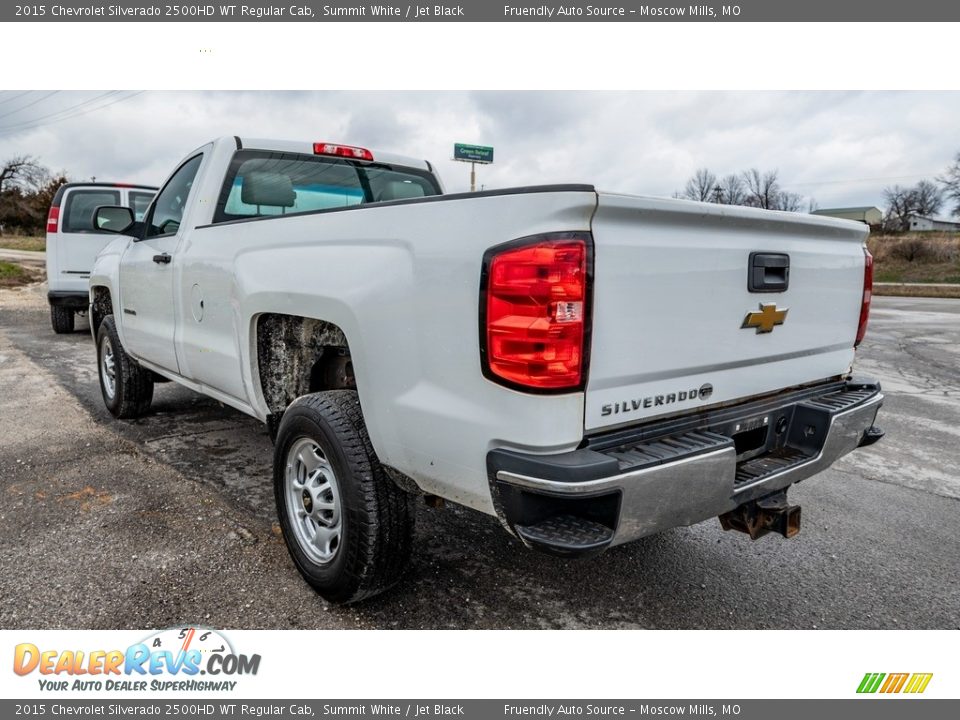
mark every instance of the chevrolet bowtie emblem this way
{"type": "Point", "coordinates": [765, 320]}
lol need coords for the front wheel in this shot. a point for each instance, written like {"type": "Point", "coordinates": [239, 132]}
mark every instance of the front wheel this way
{"type": "Point", "coordinates": [126, 387]}
{"type": "Point", "coordinates": [347, 526]}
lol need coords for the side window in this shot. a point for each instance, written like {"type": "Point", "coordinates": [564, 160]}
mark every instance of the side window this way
{"type": "Point", "coordinates": [78, 213]}
{"type": "Point", "coordinates": [139, 202]}
{"type": "Point", "coordinates": [168, 209]}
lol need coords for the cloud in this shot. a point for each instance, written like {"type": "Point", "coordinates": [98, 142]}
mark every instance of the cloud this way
{"type": "Point", "coordinates": [841, 148]}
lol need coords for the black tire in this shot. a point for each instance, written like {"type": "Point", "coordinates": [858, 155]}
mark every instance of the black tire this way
{"type": "Point", "coordinates": [132, 384]}
{"type": "Point", "coordinates": [62, 319]}
{"type": "Point", "coordinates": [376, 517]}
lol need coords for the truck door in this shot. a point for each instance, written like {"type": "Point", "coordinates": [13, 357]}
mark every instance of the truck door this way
{"type": "Point", "coordinates": [147, 272]}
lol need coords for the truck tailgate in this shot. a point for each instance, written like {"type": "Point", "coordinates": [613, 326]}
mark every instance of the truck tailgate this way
{"type": "Point", "coordinates": [672, 325]}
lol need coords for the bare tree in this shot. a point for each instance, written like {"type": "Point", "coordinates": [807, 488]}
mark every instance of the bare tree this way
{"type": "Point", "coordinates": [23, 172]}
{"type": "Point", "coordinates": [929, 198]}
{"type": "Point", "coordinates": [899, 201]}
{"type": "Point", "coordinates": [752, 187]}
{"type": "Point", "coordinates": [700, 186]}
{"type": "Point", "coordinates": [762, 189]}
{"type": "Point", "coordinates": [789, 201]}
{"type": "Point", "coordinates": [21, 178]}
{"type": "Point", "coordinates": [950, 181]}
{"type": "Point", "coordinates": [731, 190]}
{"type": "Point", "coordinates": [924, 199]}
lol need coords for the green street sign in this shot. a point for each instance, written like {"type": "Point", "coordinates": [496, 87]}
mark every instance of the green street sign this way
{"type": "Point", "coordinates": [473, 153]}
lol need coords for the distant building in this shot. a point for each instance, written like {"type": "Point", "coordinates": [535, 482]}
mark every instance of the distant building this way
{"type": "Point", "coordinates": [918, 223]}
{"type": "Point", "coordinates": [868, 215]}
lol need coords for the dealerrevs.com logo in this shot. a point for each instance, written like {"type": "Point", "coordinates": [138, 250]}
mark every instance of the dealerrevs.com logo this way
{"type": "Point", "coordinates": [889, 683]}
{"type": "Point", "coordinates": [168, 660]}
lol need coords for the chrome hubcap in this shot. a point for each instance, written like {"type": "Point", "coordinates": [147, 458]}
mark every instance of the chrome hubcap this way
{"type": "Point", "coordinates": [313, 501]}
{"type": "Point", "coordinates": [108, 370]}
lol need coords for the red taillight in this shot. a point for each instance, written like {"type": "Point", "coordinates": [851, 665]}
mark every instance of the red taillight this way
{"type": "Point", "coordinates": [53, 219]}
{"type": "Point", "coordinates": [534, 305]}
{"type": "Point", "coordinates": [867, 296]}
{"type": "Point", "coordinates": [347, 151]}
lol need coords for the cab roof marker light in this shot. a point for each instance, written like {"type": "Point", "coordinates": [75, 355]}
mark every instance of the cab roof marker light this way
{"type": "Point", "coordinates": [345, 151]}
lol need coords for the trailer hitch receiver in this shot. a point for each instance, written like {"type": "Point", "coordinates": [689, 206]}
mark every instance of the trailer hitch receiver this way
{"type": "Point", "coordinates": [767, 514]}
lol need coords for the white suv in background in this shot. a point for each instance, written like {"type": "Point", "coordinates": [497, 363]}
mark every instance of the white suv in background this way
{"type": "Point", "coordinates": [73, 243]}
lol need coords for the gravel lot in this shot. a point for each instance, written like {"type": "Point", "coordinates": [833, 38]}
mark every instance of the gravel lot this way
{"type": "Point", "coordinates": [169, 519]}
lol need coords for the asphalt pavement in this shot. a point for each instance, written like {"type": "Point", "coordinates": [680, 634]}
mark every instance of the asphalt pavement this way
{"type": "Point", "coordinates": [169, 519]}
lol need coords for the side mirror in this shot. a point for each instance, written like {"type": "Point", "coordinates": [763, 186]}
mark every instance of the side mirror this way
{"type": "Point", "coordinates": [113, 218]}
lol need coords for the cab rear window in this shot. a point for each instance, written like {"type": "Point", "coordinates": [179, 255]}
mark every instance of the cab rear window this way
{"type": "Point", "coordinates": [78, 213]}
{"type": "Point", "coordinates": [262, 184]}
{"type": "Point", "coordinates": [139, 202]}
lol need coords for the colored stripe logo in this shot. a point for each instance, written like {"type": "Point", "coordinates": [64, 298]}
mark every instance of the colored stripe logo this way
{"type": "Point", "coordinates": [913, 683]}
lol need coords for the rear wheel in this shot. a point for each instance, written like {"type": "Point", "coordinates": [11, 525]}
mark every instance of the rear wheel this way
{"type": "Point", "coordinates": [62, 319]}
{"type": "Point", "coordinates": [348, 527]}
{"type": "Point", "coordinates": [126, 387]}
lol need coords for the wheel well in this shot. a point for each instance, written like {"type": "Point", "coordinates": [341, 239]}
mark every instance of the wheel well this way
{"type": "Point", "coordinates": [101, 306]}
{"type": "Point", "coordinates": [297, 356]}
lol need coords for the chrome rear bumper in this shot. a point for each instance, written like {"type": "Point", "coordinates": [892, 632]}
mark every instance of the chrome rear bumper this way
{"type": "Point", "coordinates": [683, 478]}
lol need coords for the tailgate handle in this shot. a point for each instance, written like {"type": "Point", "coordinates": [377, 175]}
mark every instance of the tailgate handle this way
{"type": "Point", "coordinates": [768, 272]}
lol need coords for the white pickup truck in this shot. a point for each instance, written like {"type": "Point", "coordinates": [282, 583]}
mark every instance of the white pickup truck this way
{"type": "Point", "coordinates": [588, 367]}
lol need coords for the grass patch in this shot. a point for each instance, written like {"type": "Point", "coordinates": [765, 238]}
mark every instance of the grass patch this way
{"type": "Point", "coordinates": [13, 275]}
{"type": "Point", "coordinates": [16, 242]}
{"type": "Point", "coordinates": [887, 276]}
{"type": "Point", "coordinates": [916, 258]}
{"type": "Point", "coordinates": [10, 270]}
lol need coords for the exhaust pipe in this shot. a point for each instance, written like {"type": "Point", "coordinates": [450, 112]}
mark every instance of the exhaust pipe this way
{"type": "Point", "coordinates": [768, 514]}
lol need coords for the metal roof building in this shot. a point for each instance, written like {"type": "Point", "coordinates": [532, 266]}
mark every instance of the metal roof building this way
{"type": "Point", "coordinates": [922, 224]}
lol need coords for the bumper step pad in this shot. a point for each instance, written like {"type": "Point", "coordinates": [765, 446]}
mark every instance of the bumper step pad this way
{"type": "Point", "coordinates": [763, 467]}
{"type": "Point", "coordinates": [840, 401]}
{"type": "Point", "coordinates": [566, 535]}
{"type": "Point", "coordinates": [656, 452]}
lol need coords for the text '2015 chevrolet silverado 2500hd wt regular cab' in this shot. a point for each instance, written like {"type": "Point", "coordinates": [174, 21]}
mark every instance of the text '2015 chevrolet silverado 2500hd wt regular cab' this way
{"type": "Point", "coordinates": [589, 367]}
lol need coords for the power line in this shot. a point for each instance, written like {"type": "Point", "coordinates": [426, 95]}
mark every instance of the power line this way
{"type": "Point", "coordinates": [59, 112]}
{"type": "Point", "coordinates": [11, 129]}
{"type": "Point", "coordinates": [30, 104]}
{"type": "Point", "coordinates": [18, 95]}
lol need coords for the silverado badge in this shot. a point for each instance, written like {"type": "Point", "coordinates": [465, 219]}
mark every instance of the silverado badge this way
{"type": "Point", "coordinates": [765, 320]}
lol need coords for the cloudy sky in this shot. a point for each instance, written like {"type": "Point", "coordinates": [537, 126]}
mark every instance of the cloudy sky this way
{"type": "Point", "coordinates": [839, 148]}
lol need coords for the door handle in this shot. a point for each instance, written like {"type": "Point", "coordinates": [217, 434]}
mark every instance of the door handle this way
{"type": "Point", "coordinates": [768, 272]}
{"type": "Point", "coordinates": [162, 259]}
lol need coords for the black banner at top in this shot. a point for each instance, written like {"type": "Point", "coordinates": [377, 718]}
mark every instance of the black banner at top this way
{"type": "Point", "coordinates": [849, 11]}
